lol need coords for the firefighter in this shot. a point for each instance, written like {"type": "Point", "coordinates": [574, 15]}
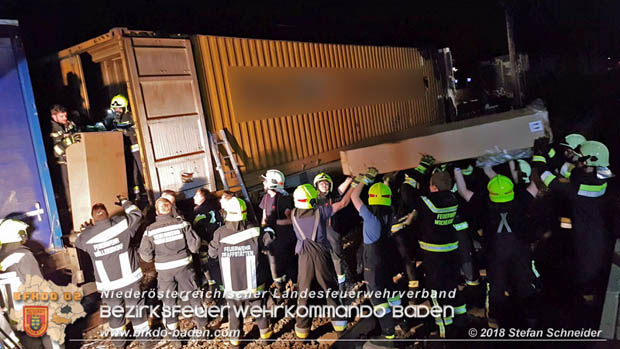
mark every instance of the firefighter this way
{"type": "Point", "coordinates": [171, 196]}
{"type": "Point", "coordinates": [467, 225]}
{"type": "Point", "coordinates": [16, 262]}
{"type": "Point", "coordinates": [377, 217]}
{"type": "Point", "coordinates": [411, 187]}
{"type": "Point", "coordinates": [207, 219]}
{"type": "Point", "coordinates": [560, 159]}
{"type": "Point", "coordinates": [238, 246]}
{"type": "Point", "coordinates": [585, 191]}
{"type": "Point", "coordinates": [276, 206]}
{"type": "Point", "coordinates": [326, 196]}
{"type": "Point", "coordinates": [63, 135]}
{"type": "Point", "coordinates": [437, 238]}
{"type": "Point", "coordinates": [170, 242]}
{"type": "Point", "coordinates": [313, 250]}
{"type": "Point", "coordinates": [107, 242]}
{"type": "Point", "coordinates": [123, 120]}
{"type": "Point", "coordinates": [509, 258]}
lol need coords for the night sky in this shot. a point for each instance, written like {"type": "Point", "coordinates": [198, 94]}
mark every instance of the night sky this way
{"type": "Point", "coordinates": [475, 30]}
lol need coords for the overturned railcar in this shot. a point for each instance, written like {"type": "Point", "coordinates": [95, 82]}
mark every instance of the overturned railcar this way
{"type": "Point", "coordinates": [286, 105]}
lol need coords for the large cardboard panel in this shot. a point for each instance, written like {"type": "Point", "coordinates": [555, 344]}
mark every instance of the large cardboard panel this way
{"type": "Point", "coordinates": [450, 142]}
{"type": "Point", "coordinates": [96, 167]}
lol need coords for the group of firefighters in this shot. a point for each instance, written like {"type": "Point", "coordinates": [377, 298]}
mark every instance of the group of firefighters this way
{"type": "Point", "coordinates": [419, 229]}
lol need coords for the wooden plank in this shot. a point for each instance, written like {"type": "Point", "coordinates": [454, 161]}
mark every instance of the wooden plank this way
{"type": "Point", "coordinates": [450, 142]}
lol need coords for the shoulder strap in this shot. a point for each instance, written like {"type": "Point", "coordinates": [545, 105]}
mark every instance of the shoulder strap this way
{"type": "Point", "coordinates": [317, 217]}
{"type": "Point", "coordinates": [298, 231]}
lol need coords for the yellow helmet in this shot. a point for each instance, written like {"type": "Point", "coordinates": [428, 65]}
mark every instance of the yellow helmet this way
{"type": "Point", "coordinates": [305, 196]}
{"type": "Point", "coordinates": [323, 177]}
{"type": "Point", "coordinates": [596, 152]}
{"type": "Point", "coordinates": [119, 101]}
{"type": "Point", "coordinates": [501, 189]}
{"type": "Point", "coordinates": [236, 210]}
{"type": "Point", "coordinates": [380, 194]}
{"type": "Point", "coordinates": [12, 230]}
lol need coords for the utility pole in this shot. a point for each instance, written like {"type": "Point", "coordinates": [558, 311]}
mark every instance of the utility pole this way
{"type": "Point", "coordinates": [512, 52]}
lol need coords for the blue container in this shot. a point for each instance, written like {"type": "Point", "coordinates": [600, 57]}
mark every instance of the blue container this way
{"type": "Point", "coordinates": [26, 190]}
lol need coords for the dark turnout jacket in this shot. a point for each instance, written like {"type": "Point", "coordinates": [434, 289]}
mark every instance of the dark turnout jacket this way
{"type": "Point", "coordinates": [170, 241]}
{"type": "Point", "coordinates": [238, 247]}
{"type": "Point", "coordinates": [107, 243]}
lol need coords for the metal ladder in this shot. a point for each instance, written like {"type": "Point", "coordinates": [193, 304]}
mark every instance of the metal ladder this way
{"type": "Point", "coordinates": [215, 141]}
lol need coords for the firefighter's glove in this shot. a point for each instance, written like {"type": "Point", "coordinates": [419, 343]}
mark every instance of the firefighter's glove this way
{"type": "Point", "coordinates": [399, 225]}
{"type": "Point", "coordinates": [357, 180]}
{"type": "Point", "coordinates": [270, 231]}
{"type": "Point", "coordinates": [541, 146]}
{"type": "Point", "coordinates": [372, 174]}
{"type": "Point", "coordinates": [120, 200]}
{"type": "Point", "coordinates": [427, 160]}
{"type": "Point", "coordinates": [364, 179]}
{"type": "Point", "coordinates": [86, 224]}
{"type": "Point", "coordinates": [76, 138]}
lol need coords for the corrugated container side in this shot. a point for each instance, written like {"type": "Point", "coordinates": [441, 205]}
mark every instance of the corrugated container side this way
{"type": "Point", "coordinates": [292, 139]}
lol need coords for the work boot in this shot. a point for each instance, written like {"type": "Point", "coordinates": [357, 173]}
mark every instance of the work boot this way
{"type": "Point", "coordinates": [265, 335]}
{"type": "Point", "coordinates": [235, 343]}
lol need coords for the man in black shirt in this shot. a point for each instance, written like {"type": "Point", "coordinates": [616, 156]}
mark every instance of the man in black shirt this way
{"type": "Point", "coordinates": [276, 206]}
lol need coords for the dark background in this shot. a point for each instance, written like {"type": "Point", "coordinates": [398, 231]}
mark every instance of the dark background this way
{"type": "Point", "coordinates": [475, 30]}
{"type": "Point", "coordinates": [573, 46]}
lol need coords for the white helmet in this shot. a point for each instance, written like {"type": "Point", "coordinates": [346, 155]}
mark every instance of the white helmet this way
{"type": "Point", "coordinates": [12, 230]}
{"type": "Point", "coordinates": [236, 210]}
{"type": "Point", "coordinates": [274, 179]}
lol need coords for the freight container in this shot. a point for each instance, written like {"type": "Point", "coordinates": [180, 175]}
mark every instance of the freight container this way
{"type": "Point", "coordinates": [285, 105]}
{"type": "Point", "coordinates": [26, 191]}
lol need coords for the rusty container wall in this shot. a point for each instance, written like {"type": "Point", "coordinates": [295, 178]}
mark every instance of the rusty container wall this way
{"type": "Point", "coordinates": [169, 115]}
{"type": "Point", "coordinates": [158, 76]}
{"type": "Point", "coordinates": [296, 138]}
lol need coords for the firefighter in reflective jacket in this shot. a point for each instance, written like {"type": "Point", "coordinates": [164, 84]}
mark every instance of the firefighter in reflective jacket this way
{"type": "Point", "coordinates": [439, 243]}
{"type": "Point", "coordinates": [585, 191]}
{"type": "Point", "coordinates": [467, 223]}
{"type": "Point", "coordinates": [326, 196]}
{"type": "Point", "coordinates": [410, 189]}
{"type": "Point", "coordinates": [377, 218]}
{"type": "Point", "coordinates": [116, 263]}
{"type": "Point", "coordinates": [510, 265]}
{"type": "Point", "coordinates": [62, 135]}
{"type": "Point", "coordinates": [276, 206]}
{"type": "Point", "coordinates": [16, 262]}
{"type": "Point", "coordinates": [310, 224]}
{"type": "Point", "coordinates": [123, 120]}
{"type": "Point", "coordinates": [238, 245]}
{"type": "Point", "coordinates": [170, 242]}
{"type": "Point", "coordinates": [560, 159]}
{"type": "Point", "coordinates": [207, 219]}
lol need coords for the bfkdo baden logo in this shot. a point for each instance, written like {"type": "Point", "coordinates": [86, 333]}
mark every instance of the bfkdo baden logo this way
{"type": "Point", "coordinates": [36, 319]}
